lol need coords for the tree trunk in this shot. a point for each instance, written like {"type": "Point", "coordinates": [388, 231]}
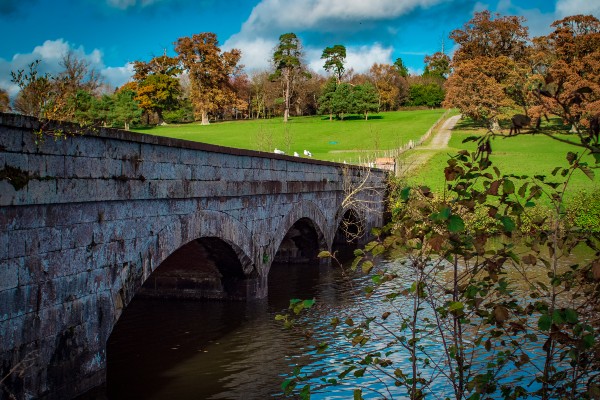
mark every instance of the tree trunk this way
{"type": "Point", "coordinates": [495, 126]}
{"type": "Point", "coordinates": [126, 125]}
{"type": "Point", "coordinates": [205, 118]}
{"type": "Point", "coordinates": [331, 116]}
{"type": "Point", "coordinates": [286, 113]}
{"type": "Point", "coordinates": [366, 115]}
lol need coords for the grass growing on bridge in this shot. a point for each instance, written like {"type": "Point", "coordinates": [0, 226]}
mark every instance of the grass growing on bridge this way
{"type": "Point", "coordinates": [530, 154]}
{"type": "Point", "coordinates": [348, 140]}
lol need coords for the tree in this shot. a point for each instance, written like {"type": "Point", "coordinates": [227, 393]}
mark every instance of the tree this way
{"type": "Point", "coordinates": [566, 79]}
{"type": "Point", "coordinates": [484, 36]}
{"type": "Point", "coordinates": [430, 95]}
{"type": "Point", "coordinates": [52, 96]}
{"type": "Point", "coordinates": [35, 93]}
{"type": "Point", "coordinates": [209, 71]}
{"type": "Point", "coordinates": [490, 68]}
{"type": "Point", "coordinates": [401, 68]}
{"type": "Point", "coordinates": [365, 99]}
{"type": "Point", "coordinates": [391, 87]}
{"type": "Point", "coordinates": [4, 101]}
{"type": "Point", "coordinates": [437, 65]}
{"type": "Point", "coordinates": [342, 102]}
{"type": "Point", "coordinates": [157, 87]}
{"type": "Point", "coordinates": [334, 60]}
{"type": "Point", "coordinates": [125, 108]}
{"type": "Point", "coordinates": [286, 60]}
{"type": "Point", "coordinates": [326, 98]}
{"type": "Point", "coordinates": [307, 93]}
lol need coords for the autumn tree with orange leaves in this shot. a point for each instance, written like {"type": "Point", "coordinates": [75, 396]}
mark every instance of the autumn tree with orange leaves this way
{"type": "Point", "coordinates": [156, 85]}
{"type": "Point", "coordinates": [210, 72]}
{"type": "Point", "coordinates": [566, 78]}
{"type": "Point", "coordinates": [490, 67]}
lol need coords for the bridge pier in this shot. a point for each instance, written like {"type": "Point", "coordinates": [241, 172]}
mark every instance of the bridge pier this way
{"type": "Point", "coordinates": [89, 221]}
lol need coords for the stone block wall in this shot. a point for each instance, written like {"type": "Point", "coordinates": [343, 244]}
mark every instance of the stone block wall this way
{"type": "Point", "coordinates": [85, 220]}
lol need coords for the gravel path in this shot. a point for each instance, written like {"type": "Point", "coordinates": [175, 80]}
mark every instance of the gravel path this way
{"type": "Point", "coordinates": [420, 156]}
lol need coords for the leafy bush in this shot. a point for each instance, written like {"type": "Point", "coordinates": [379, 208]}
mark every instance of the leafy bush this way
{"type": "Point", "coordinates": [583, 211]}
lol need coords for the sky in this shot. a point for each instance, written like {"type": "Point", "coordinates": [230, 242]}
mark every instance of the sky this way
{"type": "Point", "coordinates": [111, 34]}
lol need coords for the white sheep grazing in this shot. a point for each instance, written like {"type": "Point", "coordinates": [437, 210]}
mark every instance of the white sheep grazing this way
{"type": "Point", "coordinates": [277, 151]}
{"type": "Point", "coordinates": [307, 153]}
{"type": "Point", "coordinates": [296, 154]}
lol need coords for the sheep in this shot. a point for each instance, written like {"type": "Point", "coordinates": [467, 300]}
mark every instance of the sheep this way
{"type": "Point", "coordinates": [277, 151]}
{"type": "Point", "coordinates": [296, 154]}
{"type": "Point", "coordinates": [307, 153]}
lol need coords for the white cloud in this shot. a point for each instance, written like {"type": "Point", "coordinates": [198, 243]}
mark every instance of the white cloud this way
{"type": "Point", "coordinates": [269, 18]}
{"type": "Point", "coordinates": [363, 57]}
{"type": "Point", "coordinates": [573, 7]}
{"type": "Point", "coordinates": [358, 58]}
{"type": "Point", "coordinates": [117, 76]}
{"type": "Point", "coordinates": [256, 52]}
{"type": "Point", "coordinates": [270, 15]}
{"type": "Point", "coordinates": [50, 54]}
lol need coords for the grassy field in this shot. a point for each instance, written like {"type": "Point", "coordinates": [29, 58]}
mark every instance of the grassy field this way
{"type": "Point", "coordinates": [348, 140]}
{"type": "Point", "coordinates": [520, 155]}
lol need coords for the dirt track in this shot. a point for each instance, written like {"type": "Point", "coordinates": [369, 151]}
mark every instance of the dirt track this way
{"type": "Point", "coordinates": [420, 155]}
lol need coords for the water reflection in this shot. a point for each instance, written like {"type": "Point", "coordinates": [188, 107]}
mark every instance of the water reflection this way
{"type": "Point", "coordinates": [214, 350]}
{"type": "Point", "coordinates": [225, 350]}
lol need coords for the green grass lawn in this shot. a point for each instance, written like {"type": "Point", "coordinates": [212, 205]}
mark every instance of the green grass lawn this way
{"type": "Point", "coordinates": [348, 140]}
{"type": "Point", "coordinates": [520, 155]}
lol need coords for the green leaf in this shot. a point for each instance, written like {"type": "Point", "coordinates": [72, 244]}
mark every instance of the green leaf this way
{"type": "Point", "coordinates": [508, 187]}
{"type": "Point", "coordinates": [285, 384]}
{"type": "Point", "coordinates": [523, 189]}
{"type": "Point", "coordinates": [557, 317]}
{"type": "Point", "coordinates": [324, 254]}
{"type": "Point", "coordinates": [571, 316]}
{"type": "Point", "coordinates": [588, 340]}
{"type": "Point", "coordinates": [358, 394]}
{"type": "Point", "coordinates": [445, 213]}
{"type": "Point", "coordinates": [455, 224]}
{"type": "Point", "coordinates": [367, 266]}
{"type": "Point", "coordinates": [308, 303]}
{"type": "Point", "coordinates": [455, 305]}
{"type": "Point", "coordinates": [545, 322]}
{"type": "Point", "coordinates": [507, 223]}
{"type": "Point", "coordinates": [405, 193]}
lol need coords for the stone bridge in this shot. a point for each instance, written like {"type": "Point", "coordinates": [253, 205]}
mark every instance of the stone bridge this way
{"type": "Point", "coordinates": [90, 220]}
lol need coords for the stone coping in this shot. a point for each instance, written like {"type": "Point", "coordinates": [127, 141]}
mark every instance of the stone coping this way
{"type": "Point", "coordinates": [27, 122]}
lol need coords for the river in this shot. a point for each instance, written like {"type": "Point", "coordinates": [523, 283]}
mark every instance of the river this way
{"type": "Point", "coordinates": [235, 350]}
{"type": "Point", "coordinates": [220, 350]}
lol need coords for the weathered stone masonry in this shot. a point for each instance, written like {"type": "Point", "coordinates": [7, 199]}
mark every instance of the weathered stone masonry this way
{"type": "Point", "coordinates": [85, 220]}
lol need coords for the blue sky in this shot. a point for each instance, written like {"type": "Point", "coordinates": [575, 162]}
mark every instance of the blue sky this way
{"type": "Point", "coordinates": [111, 34]}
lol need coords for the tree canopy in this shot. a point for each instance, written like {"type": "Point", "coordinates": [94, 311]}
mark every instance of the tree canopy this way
{"type": "Point", "coordinates": [157, 88]}
{"type": "Point", "coordinates": [209, 70]}
{"type": "Point", "coordinates": [335, 57]}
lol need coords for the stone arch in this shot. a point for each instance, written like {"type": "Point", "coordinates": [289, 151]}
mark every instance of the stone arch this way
{"type": "Point", "coordinates": [178, 231]}
{"type": "Point", "coordinates": [348, 230]}
{"type": "Point", "coordinates": [359, 217]}
{"type": "Point", "coordinates": [308, 213]}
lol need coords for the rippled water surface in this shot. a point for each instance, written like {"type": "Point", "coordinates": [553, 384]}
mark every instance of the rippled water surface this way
{"type": "Point", "coordinates": [218, 350]}
{"type": "Point", "coordinates": [234, 350]}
